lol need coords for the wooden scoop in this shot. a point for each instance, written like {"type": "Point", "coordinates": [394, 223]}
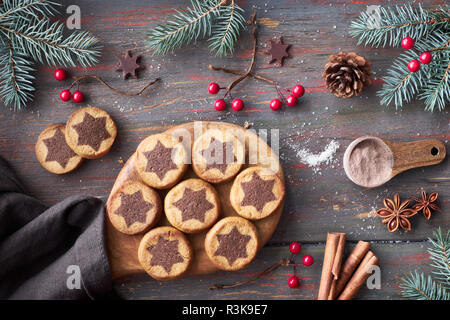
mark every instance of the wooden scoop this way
{"type": "Point", "coordinates": [371, 161]}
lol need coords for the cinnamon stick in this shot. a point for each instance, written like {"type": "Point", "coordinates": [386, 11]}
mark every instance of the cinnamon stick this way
{"type": "Point", "coordinates": [359, 277]}
{"type": "Point", "coordinates": [332, 260]}
{"type": "Point", "coordinates": [350, 265]}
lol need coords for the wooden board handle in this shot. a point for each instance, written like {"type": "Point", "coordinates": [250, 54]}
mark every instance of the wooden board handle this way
{"type": "Point", "coordinates": [414, 154]}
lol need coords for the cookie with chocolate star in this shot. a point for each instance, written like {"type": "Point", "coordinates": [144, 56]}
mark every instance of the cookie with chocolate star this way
{"type": "Point", "coordinates": [134, 208]}
{"type": "Point", "coordinates": [192, 206]}
{"type": "Point", "coordinates": [90, 132]}
{"type": "Point", "coordinates": [217, 156]}
{"type": "Point", "coordinates": [53, 152]}
{"type": "Point", "coordinates": [232, 243]}
{"type": "Point", "coordinates": [165, 253]}
{"type": "Point", "coordinates": [256, 193]}
{"type": "Point", "coordinates": [161, 160]}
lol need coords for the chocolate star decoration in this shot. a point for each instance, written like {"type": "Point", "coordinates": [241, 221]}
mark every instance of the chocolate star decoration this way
{"type": "Point", "coordinates": [165, 253]}
{"type": "Point", "coordinates": [212, 160]}
{"type": "Point", "coordinates": [133, 208]}
{"type": "Point", "coordinates": [91, 131]}
{"type": "Point", "coordinates": [233, 245]}
{"type": "Point", "coordinates": [128, 65]}
{"type": "Point", "coordinates": [257, 192]}
{"type": "Point", "coordinates": [193, 205]}
{"type": "Point", "coordinates": [57, 149]}
{"type": "Point", "coordinates": [278, 51]}
{"type": "Point", "coordinates": [159, 160]}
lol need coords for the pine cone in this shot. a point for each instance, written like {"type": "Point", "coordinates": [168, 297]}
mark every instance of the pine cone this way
{"type": "Point", "coordinates": [346, 74]}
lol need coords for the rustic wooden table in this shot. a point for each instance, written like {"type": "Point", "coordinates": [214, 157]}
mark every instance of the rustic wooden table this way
{"type": "Point", "coordinates": [318, 201]}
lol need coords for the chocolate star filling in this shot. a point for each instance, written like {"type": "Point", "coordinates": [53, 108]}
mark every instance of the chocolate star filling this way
{"type": "Point", "coordinates": [222, 158]}
{"type": "Point", "coordinates": [91, 131]}
{"type": "Point", "coordinates": [257, 192]}
{"type": "Point", "coordinates": [128, 65]}
{"type": "Point", "coordinates": [133, 208]}
{"type": "Point", "coordinates": [165, 253]}
{"type": "Point", "coordinates": [159, 160]}
{"type": "Point", "coordinates": [57, 149]}
{"type": "Point", "coordinates": [193, 205]}
{"type": "Point", "coordinates": [278, 51]}
{"type": "Point", "coordinates": [232, 246]}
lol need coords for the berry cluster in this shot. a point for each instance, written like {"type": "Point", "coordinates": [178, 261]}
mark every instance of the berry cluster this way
{"type": "Point", "coordinates": [66, 95]}
{"type": "Point", "coordinates": [424, 57]}
{"type": "Point", "coordinates": [275, 104]}
{"type": "Point", "coordinates": [307, 260]}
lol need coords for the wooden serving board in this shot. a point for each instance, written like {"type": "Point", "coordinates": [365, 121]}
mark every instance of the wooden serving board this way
{"type": "Point", "coordinates": [123, 248]}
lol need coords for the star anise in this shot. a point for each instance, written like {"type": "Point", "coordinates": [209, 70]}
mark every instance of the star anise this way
{"type": "Point", "coordinates": [396, 213]}
{"type": "Point", "coordinates": [426, 203]}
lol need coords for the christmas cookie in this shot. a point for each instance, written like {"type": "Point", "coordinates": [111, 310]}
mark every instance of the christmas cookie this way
{"type": "Point", "coordinates": [53, 153]}
{"type": "Point", "coordinates": [165, 253]}
{"type": "Point", "coordinates": [192, 206]}
{"type": "Point", "coordinates": [134, 208]}
{"type": "Point", "coordinates": [90, 132]}
{"type": "Point", "coordinates": [217, 156]}
{"type": "Point", "coordinates": [256, 193]}
{"type": "Point", "coordinates": [232, 243]}
{"type": "Point", "coordinates": [161, 160]}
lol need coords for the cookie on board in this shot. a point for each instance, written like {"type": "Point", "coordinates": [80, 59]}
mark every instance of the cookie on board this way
{"type": "Point", "coordinates": [217, 156]}
{"type": "Point", "coordinates": [256, 193]}
{"type": "Point", "coordinates": [165, 253]}
{"type": "Point", "coordinates": [192, 206]}
{"type": "Point", "coordinates": [90, 132]}
{"type": "Point", "coordinates": [53, 152]}
{"type": "Point", "coordinates": [161, 160]}
{"type": "Point", "coordinates": [134, 208]}
{"type": "Point", "coordinates": [232, 243]}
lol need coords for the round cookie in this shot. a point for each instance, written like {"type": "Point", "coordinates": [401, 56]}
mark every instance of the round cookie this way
{"type": "Point", "coordinates": [256, 193]}
{"type": "Point", "coordinates": [232, 243]}
{"type": "Point", "coordinates": [165, 253]}
{"type": "Point", "coordinates": [217, 156]}
{"type": "Point", "coordinates": [53, 152]}
{"type": "Point", "coordinates": [90, 132]}
{"type": "Point", "coordinates": [192, 206]}
{"type": "Point", "coordinates": [161, 160]}
{"type": "Point", "coordinates": [134, 208]}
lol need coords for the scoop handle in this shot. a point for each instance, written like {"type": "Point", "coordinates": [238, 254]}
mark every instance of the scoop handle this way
{"type": "Point", "coordinates": [414, 154]}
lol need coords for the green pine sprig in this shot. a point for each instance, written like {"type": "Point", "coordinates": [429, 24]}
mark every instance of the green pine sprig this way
{"type": "Point", "coordinates": [431, 31]}
{"type": "Point", "coordinates": [27, 36]}
{"type": "Point", "coordinates": [216, 20]}
{"type": "Point", "coordinates": [420, 287]}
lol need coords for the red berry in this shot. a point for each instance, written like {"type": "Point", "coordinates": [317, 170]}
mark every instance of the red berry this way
{"type": "Point", "coordinates": [237, 105]}
{"type": "Point", "coordinates": [220, 105]}
{"type": "Point", "coordinates": [293, 282]}
{"type": "Point", "coordinates": [425, 57]}
{"type": "Point", "coordinates": [213, 88]}
{"type": "Point", "coordinates": [78, 97]}
{"type": "Point", "coordinates": [60, 74]}
{"type": "Point", "coordinates": [414, 65]}
{"type": "Point", "coordinates": [308, 260]}
{"type": "Point", "coordinates": [65, 95]}
{"type": "Point", "coordinates": [407, 43]}
{"type": "Point", "coordinates": [291, 100]}
{"type": "Point", "coordinates": [298, 90]}
{"type": "Point", "coordinates": [275, 104]}
{"type": "Point", "coordinates": [295, 247]}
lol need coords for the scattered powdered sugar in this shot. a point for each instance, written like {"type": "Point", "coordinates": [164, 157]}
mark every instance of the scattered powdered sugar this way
{"type": "Point", "coordinates": [325, 157]}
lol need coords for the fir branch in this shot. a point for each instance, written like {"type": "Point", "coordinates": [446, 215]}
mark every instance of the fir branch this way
{"type": "Point", "coordinates": [401, 85]}
{"type": "Point", "coordinates": [184, 27]}
{"type": "Point", "coordinates": [226, 29]}
{"type": "Point", "coordinates": [44, 42]}
{"type": "Point", "coordinates": [440, 256]}
{"type": "Point", "coordinates": [16, 81]}
{"type": "Point", "coordinates": [416, 286]}
{"type": "Point", "coordinates": [13, 9]}
{"type": "Point", "coordinates": [396, 24]}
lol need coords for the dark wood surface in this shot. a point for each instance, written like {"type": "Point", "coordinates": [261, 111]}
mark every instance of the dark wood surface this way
{"type": "Point", "coordinates": [317, 201]}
